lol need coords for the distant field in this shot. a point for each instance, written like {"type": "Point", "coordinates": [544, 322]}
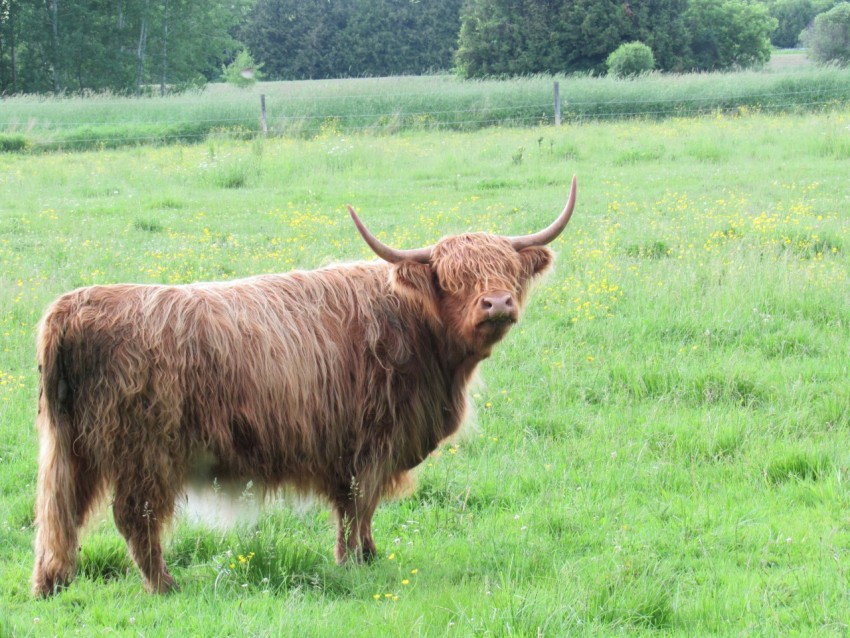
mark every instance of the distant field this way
{"type": "Point", "coordinates": [789, 59]}
{"type": "Point", "coordinates": [662, 445]}
{"type": "Point", "coordinates": [393, 105]}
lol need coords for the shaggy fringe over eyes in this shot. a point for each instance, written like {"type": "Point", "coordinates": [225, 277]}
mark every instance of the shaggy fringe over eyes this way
{"type": "Point", "coordinates": [476, 261]}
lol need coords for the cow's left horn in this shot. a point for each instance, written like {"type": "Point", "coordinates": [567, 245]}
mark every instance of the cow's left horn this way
{"type": "Point", "coordinates": [392, 255]}
{"type": "Point", "coordinates": [547, 235]}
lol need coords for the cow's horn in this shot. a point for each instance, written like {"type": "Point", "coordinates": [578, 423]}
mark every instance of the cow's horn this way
{"type": "Point", "coordinates": [392, 255]}
{"type": "Point", "coordinates": [547, 235]}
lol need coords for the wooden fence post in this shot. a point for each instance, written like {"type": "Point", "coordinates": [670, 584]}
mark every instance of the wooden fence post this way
{"type": "Point", "coordinates": [263, 114]}
{"type": "Point", "coordinates": [557, 89]}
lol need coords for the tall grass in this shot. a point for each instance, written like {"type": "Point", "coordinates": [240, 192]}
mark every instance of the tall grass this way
{"type": "Point", "coordinates": [661, 444]}
{"type": "Point", "coordinates": [390, 105]}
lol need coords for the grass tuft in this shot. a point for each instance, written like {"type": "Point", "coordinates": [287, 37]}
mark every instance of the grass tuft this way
{"type": "Point", "coordinates": [652, 250]}
{"type": "Point", "coordinates": [104, 558]}
{"type": "Point", "coordinates": [14, 143]}
{"type": "Point", "coordinates": [148, 225]}
{"type": "Point", "coordinates": [798, 465]}
{"type": "Point", "coordinates": [636, 597]}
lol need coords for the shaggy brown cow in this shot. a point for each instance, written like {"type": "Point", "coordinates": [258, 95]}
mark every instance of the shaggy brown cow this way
{"type": "Point", "coordinates": [336, 381]}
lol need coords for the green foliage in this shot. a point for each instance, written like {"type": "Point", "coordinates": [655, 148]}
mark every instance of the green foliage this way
{"type": "Point", "coordinates": [506, 37]}
{"type": "Point", "coordinates": [589, 30]}
{"type": "Point", "coordinates": [630, 59]}
{"type": "Point", "coordinates": [313, 39]}
{"type": "Point", "coordinates": [792, 16]}
{"type": "Point", "coordinates": [726, 34]}
{"type": "Point", "coordinates": [828, 39]}
{"type": "Point", "coordinates": [124, 47]}
{"type": "Point", "coordinates": [509, 37]}
{"type": "Point", "coordinates": [243, 71]}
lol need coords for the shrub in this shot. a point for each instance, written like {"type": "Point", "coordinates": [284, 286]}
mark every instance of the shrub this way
{"type": "Point", "coordinates": [630, 59]}
{"type": "Point", "coordinates": [828, 38]}
{"type": "Point", "coordinates": [243, 71]}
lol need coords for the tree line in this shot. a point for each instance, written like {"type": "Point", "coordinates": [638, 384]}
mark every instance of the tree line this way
{"type": "Point", "coordinates": [127, 46]}
{"type": "Point", "coordinates": [145, 46]}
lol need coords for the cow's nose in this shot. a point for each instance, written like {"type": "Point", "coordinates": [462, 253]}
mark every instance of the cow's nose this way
{"type": "Point", "coordinates": [498, 306]}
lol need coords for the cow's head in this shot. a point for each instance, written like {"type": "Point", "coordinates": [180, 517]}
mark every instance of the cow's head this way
{"type": "Point", "coordinates": [474, 284]}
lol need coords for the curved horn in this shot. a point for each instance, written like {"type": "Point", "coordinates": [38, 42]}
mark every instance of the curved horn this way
{"type": "Point", "coordinates": [547, 235]}
{"type": "Point", "coordinates": [392, 255]}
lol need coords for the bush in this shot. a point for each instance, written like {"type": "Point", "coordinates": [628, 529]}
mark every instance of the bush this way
{"type": "Point", "coordinates": [828, 38]}
{"type": "Point", "coordinates": [630, 59]}
{"type": "Point", "coordinates": [243, 71]}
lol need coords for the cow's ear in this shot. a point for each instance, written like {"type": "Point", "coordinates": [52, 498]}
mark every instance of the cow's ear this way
{"type": "Point", "coordinates": [536, 260]}
{"type": "Point", "coordinates": [415, 282]}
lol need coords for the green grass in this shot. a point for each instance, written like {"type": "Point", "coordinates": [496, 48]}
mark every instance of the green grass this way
{"type": "Point", "coordinates": [391, 105]}
{"type": "Point", "coordinates": [661, 444]}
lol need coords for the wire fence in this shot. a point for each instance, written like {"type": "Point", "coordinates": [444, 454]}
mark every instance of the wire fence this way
{"type": "Point", "coordinates": [379, 107]}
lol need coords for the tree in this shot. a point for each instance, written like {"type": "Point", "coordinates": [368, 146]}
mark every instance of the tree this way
{"type": "Point", "coordinates": [26, 47]}
{"type": "Point", "coordinates": [506, 37]}
{"type": "Point", "coordinates": [120, 45]}
{"type": "Point", "coordinates": [8, 45]}
{"type": "Point", "coordinates": [828, 39]}
{"type": "Point", "coordinates": [728, 33]}
{"type": "Point", "coordinates": [295, 39]}
{"type": "Point", "coordinates": [589, 30]}
{"type": "Point", "coordinates": [531, 36]}
{"type": "Point", "coordinates": [394, 37]}
{"type": "Point", "coordinates": [243, 71]}
{"type": "Point", "coordinates": [311, 39]}
{"type": "Point", "coordinates": [188, 41]}
{"type": "Point", "coordinates": [792, 16]}
{"type": "Point", "coordinates": [503, 37]}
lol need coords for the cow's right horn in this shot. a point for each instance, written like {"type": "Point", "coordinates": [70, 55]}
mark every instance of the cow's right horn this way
{"type": "Point", "coordinates": [392, 255]}
{"type": "Point", "coordinates": [548, 235]}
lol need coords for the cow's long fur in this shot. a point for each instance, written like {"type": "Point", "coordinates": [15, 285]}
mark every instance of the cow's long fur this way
{"type": "Point", "coordinates": [336, 381]}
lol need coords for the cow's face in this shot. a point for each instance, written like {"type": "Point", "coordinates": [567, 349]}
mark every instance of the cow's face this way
{"type": "Point", "coordinates": [480, 283]}
{"type": "Point", "coordinates": [474, 284]}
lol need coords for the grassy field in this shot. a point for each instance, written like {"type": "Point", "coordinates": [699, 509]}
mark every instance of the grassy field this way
{"type": "Point", "coordinates": [662, 445]}
{"type": "Point", "coordinates": [390, 105]}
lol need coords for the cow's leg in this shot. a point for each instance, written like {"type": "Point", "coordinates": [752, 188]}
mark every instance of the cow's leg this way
{"type": "Point", "coordinates": [67, 487]}
{"type": "Point", "coordinates": [143, 504]}
{"type": "Point", "coordinates": [354, 508]}
{"type": "Point", "coordinates": [366, 542]}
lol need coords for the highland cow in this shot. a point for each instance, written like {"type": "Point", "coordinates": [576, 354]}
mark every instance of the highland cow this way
{"type": "Point", "coordinates": [335, 381]}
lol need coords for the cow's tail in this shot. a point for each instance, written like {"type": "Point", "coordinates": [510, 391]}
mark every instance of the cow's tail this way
{"type": "Point", "coordinates": [57, 511]}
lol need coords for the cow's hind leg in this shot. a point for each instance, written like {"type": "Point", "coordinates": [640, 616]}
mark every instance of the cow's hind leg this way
{"type": "Point", "coordinates": [68, 486]}
{"type": "Point", "coordinates": [144, 502]}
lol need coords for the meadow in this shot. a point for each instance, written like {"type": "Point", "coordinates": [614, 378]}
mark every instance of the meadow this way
{"type": "Point", "coordinates": [389, 105]}
{"type": "Point", "coordinates": [661, 446]}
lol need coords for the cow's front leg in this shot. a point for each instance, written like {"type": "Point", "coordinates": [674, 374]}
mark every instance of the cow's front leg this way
{"type": "Point", "coordinates": [354, 508]}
